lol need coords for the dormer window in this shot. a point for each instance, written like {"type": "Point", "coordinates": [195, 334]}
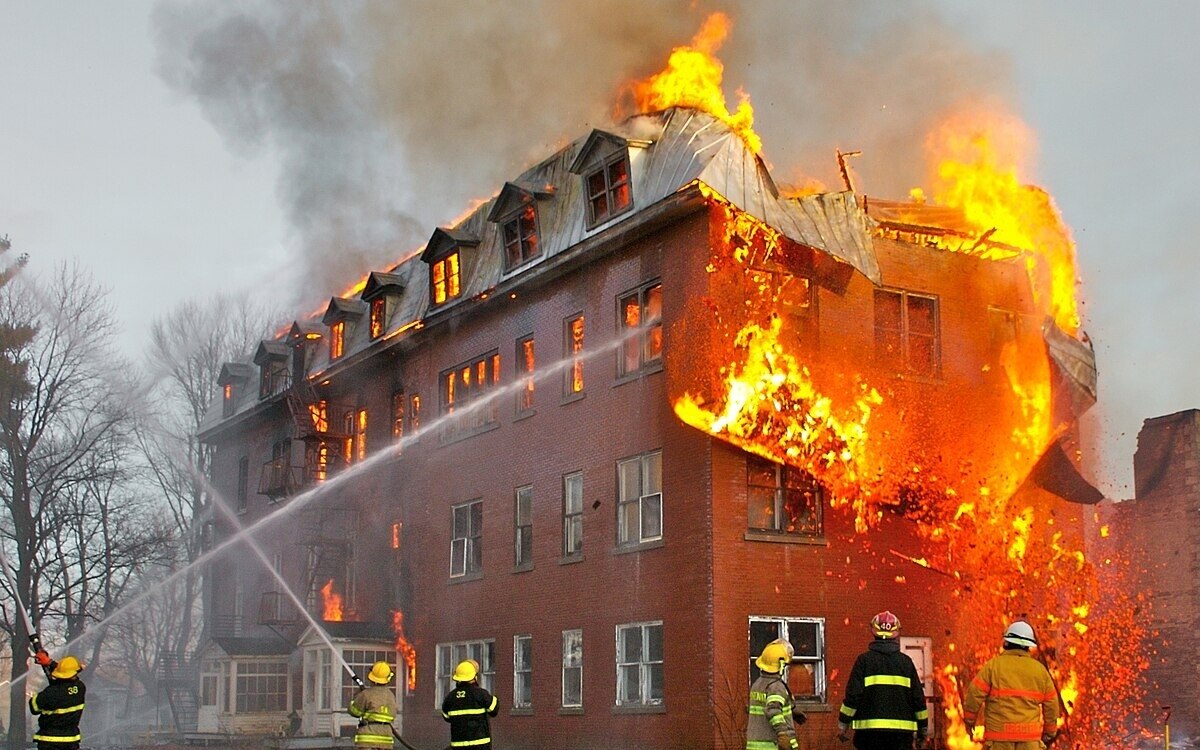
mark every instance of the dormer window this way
{"type": "Point", "coordinates": [444, 279]}
{"type": "Point", "coordinates": [227, 400]}
{"type": "Point", "coordinates": [603, 164]}
{"type": "Point", "coordinates": [274, 377]}
{"type": "Point", "coordinates": [608, 189]}
{"type": "Point", "coordinates": [521, 238]}
{"type": "Point", "coordinates": [337, 340]}
{"type": "Point", "coordinates": [378, 316]}
{"type": "Point", "coordinates": [231, 379]}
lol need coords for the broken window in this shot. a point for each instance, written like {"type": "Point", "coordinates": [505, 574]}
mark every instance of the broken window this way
{"type": "Point", "coordinates": [906, 332]}
{"type": "Point", "coordinates": [640, 664]}
{"type": "Point", "coordinates": [466, 548]}
{"type": "Point", "coordinates": [522, 671]}
{"type": "Point", "coordinates": [274, 377]}
{"type": "Point", "coordinates": [639, 499]}
{"type": "Point", "coordinates": [782, 499]}
{"type": "Point", "coordinates": [572, 669]}
{"type": "Point", "coordinates": [526, 363]}
{"type": "Point", "coordinates": [520, 236]}
{"type": "Point", "coordinates": [465, 392]}
{"type": "Point", "coordinates": [444, 279]}
{"type": "Point", "coordinates": [337, 339]}
{"type": "Point", "coordinates": [806, 673]}
{"type": "Point", "coordinates": [573, 346]}
{"type": "Point", "coordinates": [573, 514]}
{"type": "Point", "coordinates": [450, 654]}
{"type": "Point", "coordinates": [523, 531]}
{"type": "Point", "coordinates": [608, 190]}
{"type": "Point", "coordinates": [399, 403]}
{"type": "Point", "coordinates": [378, 316]}
{"type": "Point", "coordinates": [640, 316]}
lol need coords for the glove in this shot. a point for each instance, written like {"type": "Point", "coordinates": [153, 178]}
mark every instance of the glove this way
{"type": "Point", "coordinates": [783, 742]}
{"type": "Point", "coordinates": [1048, 738]}
{"type": "Point", "coordinates": [42, 658]}
{"type": "Point", "coordinates": [843, 732]}
{"type": "Point", "coordinates": [922, 739]}
{"type": "Point", "coordinates": [798, 717]}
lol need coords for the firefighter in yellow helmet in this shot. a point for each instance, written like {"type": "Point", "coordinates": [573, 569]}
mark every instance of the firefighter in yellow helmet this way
{"type": "Point", "coordinates": [375, 708]}
{"type": "Point", "coordinates": [60, 705]}
{"type": "Point", "coordinates": [1015, 695]}
{"type": "Point", "coordinates": [467, 707]}
{"type": "Point", "coordinates": [773, 716]}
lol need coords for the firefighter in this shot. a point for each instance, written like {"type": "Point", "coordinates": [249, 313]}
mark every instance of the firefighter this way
{"type": "Point", "coordinates": [375, 708]}
{"type": "Point", "coordinates": [773, 716]}
{"type": "Point", "coordinates": [59, 706]}
{"type": "Point", "coordinates": [1016, 696]}
{"type": "Point", "coordinates": [467, 708]}
{"type": "Point", "coordinates": [884, 701]}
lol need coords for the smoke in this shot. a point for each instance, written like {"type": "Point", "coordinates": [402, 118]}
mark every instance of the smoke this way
{"type": "Point", "coordinates": [388, 118]}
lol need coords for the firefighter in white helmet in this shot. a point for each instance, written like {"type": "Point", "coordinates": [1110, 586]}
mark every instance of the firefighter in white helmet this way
{"type": "Point", "coordinates": [1014, 695]}
{"type": "Point", "coordinates": [375, 708]}
{"type": "Point", "coordinates": [773, 716]}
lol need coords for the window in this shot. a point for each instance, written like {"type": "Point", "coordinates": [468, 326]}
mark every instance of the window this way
{"type": "Point", "coordinates": [522, 671]}
{"type": "Point", "coordinates": [573, 514]}
{"type": "Point", "coordinates": [450, 654]}
{"type": "Point", "coordinates": [806, 675]}
{"type": "Point", "coordinates": [243, 484]}
{"type": "Point", "coordinates": [523, 531]}
{"type": "Point", "coordinates": [361, 661]}
{"type": "Point", "coordinates": [414, 416]}
{"type": "Point", "coordinates": [782, 499]}
{"type": "Point", "coordinates": [526, 364]}
{"type": "Point", "coordinates": [573, 348]}
{"type": "Point", "coordinates": [640, 664]}
{"type": "Point", "coordinates": [639, 501]}
{"type": "Point", "coordinates": [444, 279]}
{"type": "Point", "coordinates": [274, 377]}
{"type": "Point", "coordinates": [378, 316]}
{"type": "Point", "coordinates": [262, 687]}
{"type": "Point", "coordinates": [277, 474]}
{"type": "Point", "coordinates": [572, 669]}
{"type": "Point", "coordinates": [318, 678]}
{"type": "Point", "coordinates": [466, 547]}
{"type": "Point", "coordinates": [520, 238]}
{"type": "Point", "coordinates": [608, 189]}
{"type": "Point", "coordinates": [906, 332]}
{"type": "Point", "coordinates": [337, 339]}
{"type": "Point", "coordinates": [464, 386]}
{"type": "Point", "coordinates": [1002, 327]}
{"type": "Point", "coordinates": [227, 400]}
{"type": "Point", "coordinates": [360, 434]}
{"type": "Point", "coordinates": [640, 316]}
{"type": "Point", "coordinates": [399, 403]}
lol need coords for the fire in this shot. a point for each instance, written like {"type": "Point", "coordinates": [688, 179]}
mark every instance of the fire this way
{"type": "Point", "coordinates": [978, 157]}
{"type": "Point", "coordinates": [331, 603]}
{"type": "Point", "coordinates": [406, 649]}
{"type": "Point", "coordinates": [693, 78]}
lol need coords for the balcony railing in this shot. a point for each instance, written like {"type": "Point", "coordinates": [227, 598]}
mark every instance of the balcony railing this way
{"type": "Point", "coordinates": [280, 479]}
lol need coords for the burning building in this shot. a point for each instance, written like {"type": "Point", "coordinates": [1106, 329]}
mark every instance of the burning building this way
{"type": "Point", "coordinates": [626, 422]}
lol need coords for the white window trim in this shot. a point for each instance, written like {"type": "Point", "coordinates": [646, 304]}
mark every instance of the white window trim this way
{"type": "Point", "coordinates": [820, 685]}
{"type": "Point", "coordinates": [644, 666]}
{"type": "Point", "coordinates": [565, 667]}
{"type": "Point", "coordinates": [643, 473]}
{"type": "Point", "coordinates": [517, 671]}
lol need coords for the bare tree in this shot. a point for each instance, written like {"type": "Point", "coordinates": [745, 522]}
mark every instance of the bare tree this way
{"type": "Point", "coordinates": [56, 438]}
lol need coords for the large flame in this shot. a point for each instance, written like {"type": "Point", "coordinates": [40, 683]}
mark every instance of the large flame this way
{"type": "Point", "coordinates": [331, 603]}
{"type": "Point", "coordinates": [406, 649]}
{"type": "Point", "coordinates": [693, 79]}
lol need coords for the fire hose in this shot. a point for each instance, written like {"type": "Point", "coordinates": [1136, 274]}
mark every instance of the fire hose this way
{"type": "Point", "coordinates": [358, 681]}
{"type": "Point", "coordinates": [35, 641]}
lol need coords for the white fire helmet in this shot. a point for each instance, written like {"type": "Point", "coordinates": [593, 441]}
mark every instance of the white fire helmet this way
{"type": "Point", "coordinates": [1020, 634]}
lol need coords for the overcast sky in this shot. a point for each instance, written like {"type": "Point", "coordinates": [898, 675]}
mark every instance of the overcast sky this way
{"type": "Point", "coordinates": [184, 149]}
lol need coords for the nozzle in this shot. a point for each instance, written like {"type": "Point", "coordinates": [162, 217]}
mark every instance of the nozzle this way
{"type": "Point", "coordinates": [35, 642]}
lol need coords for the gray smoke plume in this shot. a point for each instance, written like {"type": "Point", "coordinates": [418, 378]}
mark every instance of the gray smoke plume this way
{"type": "Point", "coordinates": [389, 117]}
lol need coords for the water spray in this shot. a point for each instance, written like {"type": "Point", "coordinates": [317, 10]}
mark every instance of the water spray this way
{"type": "Point", "coordinates": [35, 641]}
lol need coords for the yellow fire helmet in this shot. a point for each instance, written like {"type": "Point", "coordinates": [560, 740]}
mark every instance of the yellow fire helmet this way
{"type": "Point", "coordinates": [774, 656]}
{"type": "Point", "coordinates": [466, 671]}
{"type": "Point", "coordinates": [67, 668]}
{"type": "Point", "coordinates": [381, 673]}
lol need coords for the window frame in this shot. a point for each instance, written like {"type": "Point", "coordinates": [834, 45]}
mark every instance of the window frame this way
{"type": "Point", "coordinates": [450, 653]}
{"type": "Point", "coordinates": [523, 532]}
{"type": "Point", "coordinates": [472, 543]}
{"type": "Point", "coordinates": [377, 317]}
{"type": "Point", "coordinates": [573, 661]}
{"type": "Point", "coordinates": [782, 475]}
{"type": "Point", "coordinates": [479, 377]}
{"type": "Point", "coordinates": [243, 484]}
{"type": "Point", "coordinates": [609, 190]}
{"type": "Point", "coordinates": [902, 360]}
{"type": "Point", "coordinates": [261, 686]}
{"type": "Point", "coordinates": [522, 671]}
{"type": "Point", "coordinates": [520, 229]}
{"type": "Point", "coordinates": [644, 664]}
{"type": "Point", "coordinates": [572, 520]}
{"type": "Point", "coordinates": [399, 405]}
{"type": "Point", "coordinates": [644, 462]}
{"type": "Point", "coordinates": [337, 340]}
{"type": "Point", "coordinates": [227, 401]}
{"type": "Point", "coordinates": [445, 278]}
{"type": "Point", "coordinates": [648, 336]}
{"type": "Point", "coordinates": [525, 362]}
{"type": "Point", "coordinates": [360, 660]}
{"type": "Point", "coordinates": [573, 344]}
{"type": "Point", "coordinates": [818, 660]}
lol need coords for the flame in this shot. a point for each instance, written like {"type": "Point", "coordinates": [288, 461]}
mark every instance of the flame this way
{"type": "Point", "coordinates": [693, 78]}
{"type": "Point", "coordinates": [331, 603]}
{"type": "Point", "coordinates": [406, 650]}
{"type": "Point", "coordinates": [978, 155]}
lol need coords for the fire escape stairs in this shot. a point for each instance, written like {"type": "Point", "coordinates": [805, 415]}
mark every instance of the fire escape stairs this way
{"type": "Point", "coordinates": [178, 680]}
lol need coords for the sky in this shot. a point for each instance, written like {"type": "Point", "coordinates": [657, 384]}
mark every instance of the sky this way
{"type": "Point", "coordinates": [183, 149]}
